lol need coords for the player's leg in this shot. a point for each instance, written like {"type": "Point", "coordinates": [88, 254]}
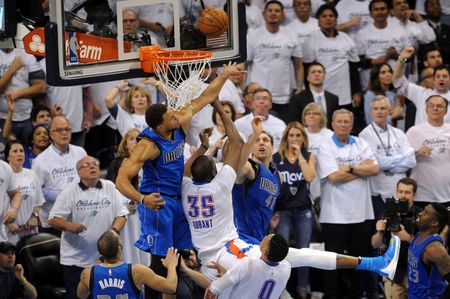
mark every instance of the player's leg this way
{"type": "Point", "coordinates": [383, 265]}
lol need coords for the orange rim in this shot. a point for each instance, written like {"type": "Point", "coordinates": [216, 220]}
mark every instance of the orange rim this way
{"type": "Point", "coordinates": [153, 54]}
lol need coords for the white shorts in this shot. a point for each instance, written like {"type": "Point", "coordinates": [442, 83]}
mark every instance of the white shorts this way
{"type": "Point", "coordinates": [228, 255]}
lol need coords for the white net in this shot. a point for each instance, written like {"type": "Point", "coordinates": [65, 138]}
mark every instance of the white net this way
{"type": "Point", "coordinates": [182, 80]}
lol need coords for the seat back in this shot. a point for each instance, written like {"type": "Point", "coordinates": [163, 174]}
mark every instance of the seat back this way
{"type": "Point", "coordinates": [39, 256]}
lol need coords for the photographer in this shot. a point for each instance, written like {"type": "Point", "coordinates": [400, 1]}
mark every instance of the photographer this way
{"type": "Point", "coordinates": [398, 220]}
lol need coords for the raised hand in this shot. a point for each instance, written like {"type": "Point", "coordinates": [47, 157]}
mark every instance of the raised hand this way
{"type": "Point", "coordinates": [232, 68]}
{"type": "Point", "coordinates": [171, 259]}
{"type": "Point", "coordinates": [257, 125]}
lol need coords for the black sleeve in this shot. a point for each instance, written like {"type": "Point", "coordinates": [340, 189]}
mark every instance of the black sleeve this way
{"type": "Point", "coordinates": [354, 78]}
{"type": "Point", "coordinates": [37, 75]}
{"type": "Point", "coordinates": [364, 62]}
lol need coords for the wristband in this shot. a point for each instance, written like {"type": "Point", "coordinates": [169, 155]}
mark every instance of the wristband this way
{"type": "Point", "coordinates": [15, 208]}
{"type": "Point", "coordinates": [141, 200]}
{"type": "Point", "coordinates": [402, 60]}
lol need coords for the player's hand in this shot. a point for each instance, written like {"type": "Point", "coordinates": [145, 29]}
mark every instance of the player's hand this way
{"type": "Point", "coordinates": [75, 228]}
{"type": "Point", "coordinates": [209, 295]}
{"type": "Point", "coordinates": [154, 201]}
{"type": "Point", "coordinates": [204, 137]}
{"type": "Point", "coordinates": [10, 216]}
{"type": "Point", "coordinates": [257, 125]}
{"type": "Point", "coordinates": [18, 271]}
{"type": "Point", "coordinates": [171, 259]}
{"type": "Point", "coordinates": [231, 69]}
{"type": "Point", "coordinates": [16, 64]}
{"type": "Point", "coordinates": [218, 267]}
{"type": "Point", "coordinates": [424, 151]}
{"type": "Point", "coordinates": [381, 225]}
{"type": "Point", "coordinates": [406, 53]}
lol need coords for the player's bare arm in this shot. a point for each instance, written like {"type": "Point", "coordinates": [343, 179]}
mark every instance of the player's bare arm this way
{"type": "Point", "coordinates": [201, 150]}
{"type": "Point", "coordinates": [436, 254]}
{"type": "Point", "coordinates": [83, 285]}
{"type": "Point", "coordinates": [208, 95]}
{"type": "Point", "coordinates": [246, 171]}
{"type": "Point", "coordinates": [234, 139]}
{"type": "Point", "coordinates": [144, 150]}
{"type": "Point", "coordinates": [144, 275]}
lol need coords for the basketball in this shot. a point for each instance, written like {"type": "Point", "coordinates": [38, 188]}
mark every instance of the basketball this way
{"type": "Point", "coordinates": [213, 21]}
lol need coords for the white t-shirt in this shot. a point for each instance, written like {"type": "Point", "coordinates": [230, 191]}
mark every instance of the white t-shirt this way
{"type": "Point", "coordinates": [432, 172]}
{"type": "Point", "coordinates": [70, 98]}
{"type": "Point", "coordinates": [418, 95]}
{"type": "Point", "coordinates": [373, 43]}
{"type": "Point", "coordinates": [354, 8]}
{"type": "Point", "coordinates": [55, 171]}
{"type": "Point", "coordinates": [271, 61]}
{"type": "Point", "coordinates": [314, 141]}
{"type": "Point", "coordinates": [250, 276]}
{"type": "Point", "coordinates": [207, 208]}
{"type": "Point", "coordinates": [393, 166]}
{"type": "Point", "coordinates": [31, 191]}
{"type": "Point", "coordinates": [7, 183]}
{"type": "Point", "coordinates": [334, 54]}
{"type": "Point", "coordinates": [415, 32]}
{"type": "Point", "coordinates": [96, 209]}
{"type": "Point", "coordinates": [253, 16]}
{"type": "Point", "coordinates": [230, 93]}
{"type": "Point", "coordinates": [348, 202]}
{"type": "Point", "coordinates": [302, 30]}
{"type": "Point", "coordinates": [271, 124]}
{"type": "Point", "coordinates": [20, 80]}
{"type": "Point", "coordinates": [126, 121]}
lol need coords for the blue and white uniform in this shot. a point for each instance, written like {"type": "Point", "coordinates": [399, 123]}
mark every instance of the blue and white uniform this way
{"type": "Point", "coordinates": [168, 226]}
{"type": "Point", "coordinates": [423, 281]}
{"type": "Point", "coordinates": [115, 281]}
{"type": "Point", "coordinates": [254, 201]}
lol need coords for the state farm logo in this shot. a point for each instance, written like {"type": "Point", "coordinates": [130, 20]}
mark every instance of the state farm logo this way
{"type": "Point", "coordinates": [36, 44]}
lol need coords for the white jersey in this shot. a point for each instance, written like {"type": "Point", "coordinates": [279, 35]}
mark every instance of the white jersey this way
{"type": "Point", "coordinates": [394, 154]}
{"type": "Point", "coordinates": [301, 31]}
{"type": "Point", "coordinates": [354, 8]}
{"type": "Point", "coordinates": [8, 183]}
{"type": "Point", "coordinates": [271, 55]}
{"type": "Point", "coordinates": [314, 141]}
{"type": "Point", "coordinates": [23, 105]}
{"type": "Point", "coordinates": [32, 197]}
{"type": "Point", "coordinates": [55, 172]}
{"type": "Point", "coordinates": [418, 95]}
{"type": "Point", "coordinates": [432, 172]}
{"type": "Point", "coordinates": [337, 198]}
{"type": "Point", "coordinates": [334, 54]}
{"type": "Point", "coordinates": [254, 278]}
{"type": "Point", "coordinates": [126, 121]}
{"type": "Point", "coordinates": [208, 209]}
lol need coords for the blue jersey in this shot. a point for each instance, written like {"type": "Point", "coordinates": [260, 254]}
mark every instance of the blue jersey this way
{"type": "Point", "coordinates": [424, 282]}
{"type": "Point", "coordinates": [113, 282]}
{"type": "Point", "coordinates": [254, 201]}
{"type": "Point", "coordinates": [164, 174]}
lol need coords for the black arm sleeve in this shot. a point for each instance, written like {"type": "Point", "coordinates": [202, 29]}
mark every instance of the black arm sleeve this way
{"type": "Point", "coordinates": [365, 63]}
{"type": "Point", "coordinates": [37, 75]}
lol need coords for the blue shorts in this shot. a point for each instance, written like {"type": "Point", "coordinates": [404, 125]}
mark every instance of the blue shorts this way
{"type": "Point", "coordinates": [163, 229]}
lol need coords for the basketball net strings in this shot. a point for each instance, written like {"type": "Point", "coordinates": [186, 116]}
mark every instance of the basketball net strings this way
{"type": "Point", "coordinates": [182, 80]}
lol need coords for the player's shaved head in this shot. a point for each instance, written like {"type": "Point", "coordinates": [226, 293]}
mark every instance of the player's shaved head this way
{"type": "Point", "coordinates": [202, 169]}
{"type": "Point", "coordinates": [108, 244]}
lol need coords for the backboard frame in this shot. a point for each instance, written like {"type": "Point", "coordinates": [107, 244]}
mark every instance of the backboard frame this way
{"type": "Point", "coordinates": [60, 73]}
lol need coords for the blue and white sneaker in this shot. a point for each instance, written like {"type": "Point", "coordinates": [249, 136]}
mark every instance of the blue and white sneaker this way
{"type": "Point", "coordinates": [386, 264]}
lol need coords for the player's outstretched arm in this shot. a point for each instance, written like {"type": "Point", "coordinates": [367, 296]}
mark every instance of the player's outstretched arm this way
{"type": "Point", "coordinates": [83, 285]}
{"type": "Point", "coordinates": [144, 275]}
{"type": "Point", "coordinates": [234, 139]}
{"type": "Point", "coordinates": [201, 150]}
{"type": "Point", "coordinates": [246, 171]}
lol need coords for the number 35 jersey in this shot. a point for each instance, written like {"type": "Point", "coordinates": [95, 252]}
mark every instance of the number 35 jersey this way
{"type": "Point", "coordinates": [208, 209]}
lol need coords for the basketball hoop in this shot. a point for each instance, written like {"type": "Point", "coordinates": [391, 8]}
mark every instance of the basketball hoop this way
{"type": "Point", "coordinates": [182, 72]}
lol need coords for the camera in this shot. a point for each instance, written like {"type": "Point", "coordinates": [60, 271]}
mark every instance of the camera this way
{"type": "Point", "coordinates": [395, 212]}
